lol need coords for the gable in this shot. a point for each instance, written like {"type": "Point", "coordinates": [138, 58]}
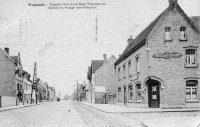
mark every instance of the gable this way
{"type": "Point", "coordinates": [140, 40]}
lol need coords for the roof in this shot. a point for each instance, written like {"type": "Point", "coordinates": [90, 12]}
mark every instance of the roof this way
{"type": "Point", "coordinates": [7, 55]}
{"type": "Point", "coordinates": [96, 64]}
{"type": "Point", "coordinates": [196, 19]}
{"type": "Point", "coordinates": [14, 58]}
{"type": "Point", "coordinates": [140, 40]}
{"type": "Point", "coordinates": [89, 73]}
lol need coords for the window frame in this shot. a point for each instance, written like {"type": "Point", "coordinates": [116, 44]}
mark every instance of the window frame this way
{"type": "Point", "coordinates": [119, 71]}
{"type": "Point", "coordinates": [138, 90]}
{"type": "Point", "coordinates": [129, 68]}
{"type": "Point", "coordinates": [130, 99]}
{"type": "Point", "coordinates": [137, 64]}
{"type": "Point", "coordinates": [188, 58]}
{"type": "Point", "coordinates": [167, 33]}
{"type": "Point", "coordinates": [191, 92]}
{"type": "Point", "coordinates": [185, 34]}
{"type": "Point", "coordinates": [124, 70]}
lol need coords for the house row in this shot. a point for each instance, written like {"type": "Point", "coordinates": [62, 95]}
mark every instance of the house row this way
{"type": "Point", "coordinates": [15, 83]}
{"type": "Point", "coordinates": [159, 68]}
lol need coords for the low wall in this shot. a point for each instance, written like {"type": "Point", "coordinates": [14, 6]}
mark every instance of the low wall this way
{"type": "Point", "coordinates": [7, 101]}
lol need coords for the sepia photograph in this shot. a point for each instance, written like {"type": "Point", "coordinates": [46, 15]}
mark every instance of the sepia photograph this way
{"type": "Point", "coordinates": [100, 63]}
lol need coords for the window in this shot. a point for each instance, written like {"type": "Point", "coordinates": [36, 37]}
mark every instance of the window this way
{"type": "Point", "coordinates": [130, 93]}
{"type": "Point", "coordinates": [129, 68]}
{"type": "Point", "coordinates": [119, 73]}
{"type": "Point", "coordinates": [191, 90]}
{"type": "Point", "coordinates": [183, 33]}
{"type": "Point", "coordinates": [124, 71]}
{"type": "Point", "coordinates": [119, 94]}
{"type": "Point", "coordinates": [168, 34]}
{"type": "Point", "coordinates": [138, 93]}
{"type": "Point", "coordinates": [137, 64]}
{"type": "Point", "coordinates": [190, 57]}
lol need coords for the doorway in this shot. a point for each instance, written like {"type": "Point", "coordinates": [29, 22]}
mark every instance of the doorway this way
{"type": "Point", "coordinates": [154, 93]}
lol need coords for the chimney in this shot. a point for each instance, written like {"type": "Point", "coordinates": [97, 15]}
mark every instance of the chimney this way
{"type": "Point", "coordinates": [7, 50]}
{"type": "Point", "coordinates": [130, 39]}
{"type": "Point", "coordinates": [104, 58]}
{"type": "Point", "coordinates": [172, 3]}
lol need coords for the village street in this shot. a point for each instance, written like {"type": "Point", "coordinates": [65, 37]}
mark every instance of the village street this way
{"type": "Point", "coordinates": [74, 114]}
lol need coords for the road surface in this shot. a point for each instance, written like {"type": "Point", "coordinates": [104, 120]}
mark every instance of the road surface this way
{"type": "Point", "coordinates": [62, 114]}
{"type": "Point", "coordinates": [74, 114]}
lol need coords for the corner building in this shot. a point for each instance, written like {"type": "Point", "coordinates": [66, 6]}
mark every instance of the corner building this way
{"type": "Point", "coordinates": [160, 67]}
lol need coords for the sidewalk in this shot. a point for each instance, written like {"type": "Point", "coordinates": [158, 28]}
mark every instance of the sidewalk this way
{"type": "Point", "coordinates": [109, 108]}
{"type": "Point", "coordinates": [18, 106]}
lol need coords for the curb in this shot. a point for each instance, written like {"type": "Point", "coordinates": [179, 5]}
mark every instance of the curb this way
{"type": "Point", "coordinates": [20, 107]}
{"type": "Point", "coordinates": [95, 108]}
{"type": "Point", "coordinates": [186, 110]}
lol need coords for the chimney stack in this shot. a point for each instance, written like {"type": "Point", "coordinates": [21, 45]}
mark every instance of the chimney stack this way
{"type": "Point", "coordinates": [7, 50]}
{"type": "Point", "coordinates": [173, 2]}
{"type": "Point", "coordinates": [104, 58]}
{"type": "Point", "coordinates": [130, 39]}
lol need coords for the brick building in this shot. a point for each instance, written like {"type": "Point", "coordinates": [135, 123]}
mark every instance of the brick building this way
{"type": "Point", "coordinates": [160, 67]}
{"type": "Point", "coordinates": [8, 89]}
{"type": "Point", "coordinates": [91, 95]}
{"type": "Point", "coordinates": [106, 79]}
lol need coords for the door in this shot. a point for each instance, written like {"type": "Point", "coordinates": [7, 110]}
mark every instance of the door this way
{"type": "Point", "coordinates": [154, 95]}
{"type": "Point", "coordinates": [125, 95]}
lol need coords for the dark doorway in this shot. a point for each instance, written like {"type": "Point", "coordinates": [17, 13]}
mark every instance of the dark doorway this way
{"type": "Point", "coordinates": [154, 93]}
{"type": "Point", "coordinates": [125, 95]}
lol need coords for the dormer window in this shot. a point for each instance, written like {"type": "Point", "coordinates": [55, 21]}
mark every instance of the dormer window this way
{"type": "Point", "coordinates": [168, 34]}
{"type": "Point", "coordinates": [183, 33]}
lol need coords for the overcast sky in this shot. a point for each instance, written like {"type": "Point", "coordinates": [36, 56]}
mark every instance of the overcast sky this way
{"type": "Point", "coordinates": [62, 41]}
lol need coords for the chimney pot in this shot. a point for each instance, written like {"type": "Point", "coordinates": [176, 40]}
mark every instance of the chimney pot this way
{"type": "Point", "coordinates": [130, 39]}
{"type": "Point", "coordinates": [104, 57]}
{"type": "Point", "coordinates": [173, 2]}
{"type": "Point", "coordinates": [7, 50]}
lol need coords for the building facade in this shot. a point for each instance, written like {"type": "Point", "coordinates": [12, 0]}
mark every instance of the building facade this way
{"type": "Point", "coordinates": [27, 87]}
{"type": "Point", "coordinates": [160, 67]}
{"type": "Point", "coordinates": [106, 80]}
{"type": "Point", "coordinates": [8, 89]}
{"type": "Point", "coordinates": [94, 96]}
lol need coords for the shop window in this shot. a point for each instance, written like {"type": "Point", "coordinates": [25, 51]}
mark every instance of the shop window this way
{"type": "Point", "coordinates": [119, 94]}
{"type": "Point", "coordinates": [183, 33]}
{"type": "Point", "coordinates": [190, 58]}
{"type": "Point", "coordinates": [130, 93]}
{"type": "Point", "coordinates": [138, 93]}
{"type": "Point", "coordinates": [191, 90]}
{"type": "Point", "coordinates": [168, 34]}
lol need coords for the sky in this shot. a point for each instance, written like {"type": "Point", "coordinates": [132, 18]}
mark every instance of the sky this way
{"type": "Point", "coordinates": [62, 41]}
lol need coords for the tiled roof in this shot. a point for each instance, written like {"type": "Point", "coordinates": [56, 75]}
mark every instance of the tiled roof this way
{"type": "Point", "coordinates": [140, 40]}
{"type": "Point", "coordinates": [14, 58]}
{"type": "Point", "coordinates": [96, 64]}
{"type": "Point", "coordinates": [196, 19]}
